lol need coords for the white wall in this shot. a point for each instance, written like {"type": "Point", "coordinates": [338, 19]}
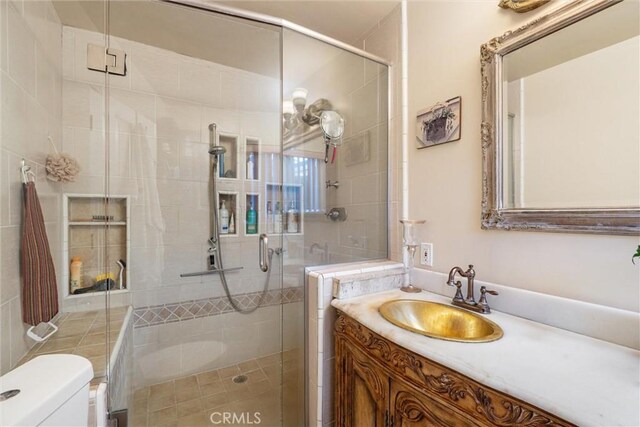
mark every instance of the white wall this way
{"type": "Point", "coordinates": [31, 110]}
{"type": "Point", "coordinates": [445, 181]}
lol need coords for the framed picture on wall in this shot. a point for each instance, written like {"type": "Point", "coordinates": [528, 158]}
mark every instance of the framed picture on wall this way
{"type": "Point", "coordinates": [439, 124]}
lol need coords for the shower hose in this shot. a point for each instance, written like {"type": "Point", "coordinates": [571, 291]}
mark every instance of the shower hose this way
{"type": "Point", "coordinates": [218, 252]}
{"type": "Point", "coordinates": [225, 285]}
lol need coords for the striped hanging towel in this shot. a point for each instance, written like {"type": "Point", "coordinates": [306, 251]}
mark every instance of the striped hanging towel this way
{"type": "Point", "coordinates": [39, 288]}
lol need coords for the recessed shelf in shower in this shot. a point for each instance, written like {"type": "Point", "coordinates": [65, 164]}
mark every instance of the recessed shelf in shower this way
{"type": "Point", "coordinates": [230, 199]}
{"type": "Point", "coordinates": [282, 196]}
{"type": "Point", "coordinates": [96, 228]}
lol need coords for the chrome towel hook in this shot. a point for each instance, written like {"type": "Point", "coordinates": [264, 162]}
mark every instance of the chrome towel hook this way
{"type": "Point", "coordinates": [26, 172]}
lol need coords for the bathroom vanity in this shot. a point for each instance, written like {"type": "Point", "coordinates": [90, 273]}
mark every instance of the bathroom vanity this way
{"type": "Point", "coordinates": [534, 375]}
{"type": "Point", "coordinates": [377, 379]}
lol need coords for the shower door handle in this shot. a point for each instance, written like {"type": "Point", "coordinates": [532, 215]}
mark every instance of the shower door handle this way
{"type": "Point", "coordinates": [263, 252]}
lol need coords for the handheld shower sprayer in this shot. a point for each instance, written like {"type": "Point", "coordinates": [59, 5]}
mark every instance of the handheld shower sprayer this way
{"type": "Point", "coordinates": [215, 150]}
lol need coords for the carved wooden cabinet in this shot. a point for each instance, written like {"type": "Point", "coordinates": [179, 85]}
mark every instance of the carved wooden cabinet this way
{"type": "Point", "coordinates": [381, 384]}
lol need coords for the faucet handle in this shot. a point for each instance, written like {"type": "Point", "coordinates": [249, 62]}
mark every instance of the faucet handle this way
{"type": "Point", "coordinates": [458, 284]}
{"type": "Point", "coordinates": [484, 290]}
{"type": "Point", "coordinates": [483, 298]}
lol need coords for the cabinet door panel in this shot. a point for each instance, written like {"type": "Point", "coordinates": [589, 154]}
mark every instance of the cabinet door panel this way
{"type": "Point", "coordinates": [411, 407]}
{"type": "Point", "coordinates": [363, 392]}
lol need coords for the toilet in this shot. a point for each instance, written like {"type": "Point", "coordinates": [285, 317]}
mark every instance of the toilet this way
{"type": "Point", "coordinates": [54, 391]}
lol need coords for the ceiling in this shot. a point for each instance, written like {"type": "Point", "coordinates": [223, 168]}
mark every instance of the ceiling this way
{"type": "Point", "coordinates": [346, 21]}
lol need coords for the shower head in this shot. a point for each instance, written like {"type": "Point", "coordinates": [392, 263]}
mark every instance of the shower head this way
{"type": "Point", "coordinates": [217, 150]}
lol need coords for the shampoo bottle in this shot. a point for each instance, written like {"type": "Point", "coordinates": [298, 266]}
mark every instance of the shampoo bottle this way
{"type": "Point", "coordinates": [224, 219]}
{"type": "Point", "coordinates": [269, 219]}
{"type": "Point", "coordinates": [292, 219]}
{"type": "Point", "coordinates": [252, 220]}
{"type": "Point", "coordinates": [232, 225]}
{"type": "Point", "coordinates": [75, 274]}
{"type": "Point", "coordinates": [250, 166]}
{"type": "Point", "coordinates": [221, 165]}
{"type": "Point", "coordinates": [277, 219]}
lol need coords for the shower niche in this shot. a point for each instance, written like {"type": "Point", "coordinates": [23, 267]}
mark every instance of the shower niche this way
{"type": "Point", "coordinates": [284, 201]}
{"type": "Point", "coordinates": [230, 200]}
{"type": "Point", "coordinates": [228, 162]}
{"type": "Point", "coordinates": [96, 235]}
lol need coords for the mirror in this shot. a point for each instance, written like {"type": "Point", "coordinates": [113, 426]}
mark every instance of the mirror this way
{"type": "Point", "coordinates": [561, 122]}
{"type": "Point", "coordinates": [332, 125]}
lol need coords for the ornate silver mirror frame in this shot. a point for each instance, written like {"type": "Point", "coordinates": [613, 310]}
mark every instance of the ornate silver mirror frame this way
{"type": "Point", "coordinates": [621, 221]}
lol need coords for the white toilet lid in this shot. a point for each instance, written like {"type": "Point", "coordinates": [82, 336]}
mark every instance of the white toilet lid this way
{"type": "Point", "coordinates": [45, 383]}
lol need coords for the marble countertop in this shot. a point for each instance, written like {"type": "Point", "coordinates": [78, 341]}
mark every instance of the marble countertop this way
{"type": "Point", "coordinates": [581, 379]}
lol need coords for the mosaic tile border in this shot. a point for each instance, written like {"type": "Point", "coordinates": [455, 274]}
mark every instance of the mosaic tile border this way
{"type": "Point", "coordinates": [168, 313]}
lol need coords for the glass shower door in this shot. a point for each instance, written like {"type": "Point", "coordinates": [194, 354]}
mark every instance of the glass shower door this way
{"type": "Point", "coordinates": [195, 148]}
{"type": "Point", "coordinates": [338, 161]}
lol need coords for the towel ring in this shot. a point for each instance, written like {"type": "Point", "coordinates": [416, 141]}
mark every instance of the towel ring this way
{"type": "Point", "coordinates": [38, 338]}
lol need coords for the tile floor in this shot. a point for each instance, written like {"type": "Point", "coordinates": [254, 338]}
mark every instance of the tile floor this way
{"type": "Point", "coordinates": [191, 401]}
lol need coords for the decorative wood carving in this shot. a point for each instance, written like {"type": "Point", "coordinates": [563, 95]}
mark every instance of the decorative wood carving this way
{"type": "Point", "coordinates": [623, 221]}
{"type": "Point", "coordinates": [522, 6]}
{"type": "Point", "coordinates": [478, 404]}
{"type": "Point", "coordinates": [372, 379]}
{"type": "Point", "coordinates": [407, 407]}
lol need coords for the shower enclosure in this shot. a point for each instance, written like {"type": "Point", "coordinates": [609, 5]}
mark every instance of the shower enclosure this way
{"type": "Point", "coordinates": [155, 174]}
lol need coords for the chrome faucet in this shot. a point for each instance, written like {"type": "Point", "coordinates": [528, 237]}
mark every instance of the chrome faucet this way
{"type": "Point", "coordinates": [469, 302]}
{"type": "Point", "coordinates": [328, 183]}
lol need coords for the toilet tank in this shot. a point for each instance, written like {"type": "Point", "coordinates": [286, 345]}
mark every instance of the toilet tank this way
{"type": "Point", "coordinates": [54, 391]}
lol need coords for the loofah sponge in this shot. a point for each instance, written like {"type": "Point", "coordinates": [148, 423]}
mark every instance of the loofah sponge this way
{"type": "Point", "coordinates": [61, 168]}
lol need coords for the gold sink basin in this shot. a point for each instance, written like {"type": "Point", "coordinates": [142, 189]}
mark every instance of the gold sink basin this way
{"type": "Point", "coordinates": [440, 321]}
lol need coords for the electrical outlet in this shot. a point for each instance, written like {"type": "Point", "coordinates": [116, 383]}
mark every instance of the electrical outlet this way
{"type": "Point", "coordinates": [426, 254]}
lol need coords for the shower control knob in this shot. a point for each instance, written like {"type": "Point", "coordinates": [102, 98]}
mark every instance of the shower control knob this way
{"type": "Point", "coordinates": [337, 214]}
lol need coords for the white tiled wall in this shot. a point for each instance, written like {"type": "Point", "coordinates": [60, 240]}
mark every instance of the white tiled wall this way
{"type": "Point", "coordinates": [320, 341]}
{"type": "Point", "coordinates": [159, 113]}
{"type": "Point", "coordinates": [31, 110]}
{"type": "Point", "coordinates": [358, 89]}
{"type": "Point", "coordinates": [178, 349]}
{"type": "Point", "coordinates": [384, 40]}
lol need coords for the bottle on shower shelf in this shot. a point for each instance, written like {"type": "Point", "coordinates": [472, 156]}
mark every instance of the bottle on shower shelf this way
{"type": "Point", "coordinates": [269, 219]}
{"type": "Point", "coordinates": [250, 167]}
{"type": "Point", "coordinates": [252, 220]}
{"type": "Point", "coordinates": [221, 165]}
{"type": "Point", "coordinates": [224, 219]}
{"type": "Point", "coordinates": [75, 273]}
{"type": "Point", "coordinates": [232, 225]}
{"type": "Point", "coordinates": [292, 218]}
{"type": "Point", "coordinates": [277, 219]}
